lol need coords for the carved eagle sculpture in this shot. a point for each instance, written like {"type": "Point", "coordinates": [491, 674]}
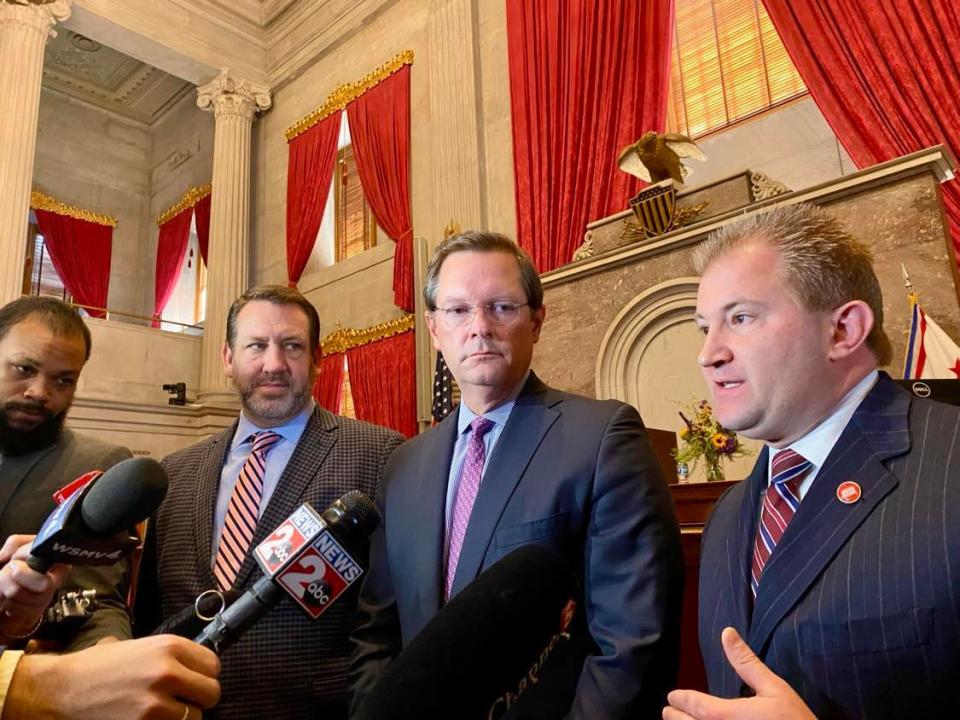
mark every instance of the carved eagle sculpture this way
{"type": "Point", "coordinates": [656, 157]}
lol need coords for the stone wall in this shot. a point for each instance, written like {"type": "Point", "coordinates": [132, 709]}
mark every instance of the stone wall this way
{"type": "Point", "coordinates": [98, 161]}
{"type": "Point", "coordinates": [182, 154]}
{"type": "Point", "coordinates": [649, 291]}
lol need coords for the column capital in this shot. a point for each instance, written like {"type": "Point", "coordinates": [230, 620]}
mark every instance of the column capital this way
{"type": "Point", "coordinates": [229, 95]}
{"type": "Point", "coordinates": [40, 16]}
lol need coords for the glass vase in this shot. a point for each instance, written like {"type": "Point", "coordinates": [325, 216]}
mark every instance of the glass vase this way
{"type": "Point", "coordinates": [714, 468]}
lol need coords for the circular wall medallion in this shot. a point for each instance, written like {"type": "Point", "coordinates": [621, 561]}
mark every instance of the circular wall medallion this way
{"type": "Point", "coordinates": [81, 42]}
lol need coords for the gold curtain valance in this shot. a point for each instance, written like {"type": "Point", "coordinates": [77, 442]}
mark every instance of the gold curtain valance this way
{"type": "Point", "coordinates": [41, 201]}
{"type": "Point", "coordinates": [343, 339]}
{"type": "Point", "coordinates": [343, 94]}
{"type": "Point", "coordinates": [191, 197]}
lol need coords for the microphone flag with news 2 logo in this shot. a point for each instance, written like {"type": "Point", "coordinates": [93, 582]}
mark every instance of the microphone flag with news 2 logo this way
{"type": "Point", "coordinates": [510, 645]}
{"type": "Point", "coordinates": [306, 557]}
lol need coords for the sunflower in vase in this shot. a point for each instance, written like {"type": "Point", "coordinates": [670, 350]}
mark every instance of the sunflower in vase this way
{"type": "Point", "coordinates": [702, 437]}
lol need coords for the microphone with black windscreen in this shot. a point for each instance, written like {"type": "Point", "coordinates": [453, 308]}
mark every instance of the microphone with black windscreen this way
{"type": "Point", "coordinates": [308, 558]}
{"type": "Point", "coordinates": [511, 644]}
{"type": "Point", "coordinates": [91, 525]}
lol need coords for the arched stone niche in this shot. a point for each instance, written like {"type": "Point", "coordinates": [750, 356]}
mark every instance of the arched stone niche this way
{"type": "Point", "coordinates": [648, 358]}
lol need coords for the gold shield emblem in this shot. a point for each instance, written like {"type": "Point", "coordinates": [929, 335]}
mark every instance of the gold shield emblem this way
{"type": "Point", "coordinates": [655, 208]}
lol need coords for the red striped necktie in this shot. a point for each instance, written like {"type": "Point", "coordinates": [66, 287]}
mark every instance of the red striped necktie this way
{"type": "Point", "coordinates": [242, 510]}
{"type": "Point", "coordinates": [780, 503]}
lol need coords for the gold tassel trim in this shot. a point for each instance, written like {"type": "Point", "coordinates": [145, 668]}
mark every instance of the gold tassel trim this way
{"type": "Point", "coordinates": [191, 197]}
{"type": "Point", "coordinates": [346, 93]}
{"type": "Point", "coordinates": [41, 201]}
{"type": "Point", "coordinates": [343, 339]}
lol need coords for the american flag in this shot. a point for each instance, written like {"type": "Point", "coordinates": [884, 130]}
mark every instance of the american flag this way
{"type": "Point", "coordinates": [444, 389]}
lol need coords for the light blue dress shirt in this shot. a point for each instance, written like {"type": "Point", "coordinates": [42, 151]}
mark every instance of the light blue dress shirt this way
{"type": "Point", "coordinates": [240, 449]}
{"type": "Point", "coordinates": [817, 444]}
{"type": "Point", "coordinates": [498, 416]}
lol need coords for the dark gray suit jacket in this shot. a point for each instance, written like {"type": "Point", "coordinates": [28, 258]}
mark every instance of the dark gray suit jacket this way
{"type": "Point", "coordinates": [859, 605]}
{"type": "Point", "coordinates": [27, 484]}
{"type": "Point", "coordinates": [573, 474]}
{"type": "Point", "coordinates": [287, 665]}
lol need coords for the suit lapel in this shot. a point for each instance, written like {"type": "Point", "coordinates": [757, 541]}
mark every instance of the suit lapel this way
{"type": "Point", "coordinates": [529, 421]}
{"type": "Point", "coordinates": [303, 467]}
{"type": "Point", "coordinates": [426, 542]}
{"type": "Point", "coordinates": [740, 544]}
{"type": "Point", "coordinates": [208, 485]}
{"type": "Point", "coordinates": [877, 432]}
{"type": "Point", "coordinates": [14, 470]}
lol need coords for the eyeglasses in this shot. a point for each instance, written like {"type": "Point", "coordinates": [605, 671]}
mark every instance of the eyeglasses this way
{"type": "Point", "coordinates": [497, 313]}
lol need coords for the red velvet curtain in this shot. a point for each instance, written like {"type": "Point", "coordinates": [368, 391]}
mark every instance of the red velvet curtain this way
{"type": "Point", "coordinates": [80, 252]}
{"type": "Point", "coordinates": [383, 382]}
{"type": "Point", "coordinates": [586, 79]}
{"type": "Point", "coordinates": [311, 160]}
{"type": "Point", "coordinates": [202, 209]}
{"type": "Point", "coordinates": [885, 75]}
{"type": "Point", "coordinates": [171, 247]}
{"type": "Point", "coordinates": [329, 383]}
{"type": "Point", "coordinates": [380, 131]}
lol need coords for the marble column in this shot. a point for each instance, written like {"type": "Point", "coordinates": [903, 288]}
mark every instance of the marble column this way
{"type": "Point", "coordinates": [233, 102]}
{"type": "Point", "coordinates": [24, 29]}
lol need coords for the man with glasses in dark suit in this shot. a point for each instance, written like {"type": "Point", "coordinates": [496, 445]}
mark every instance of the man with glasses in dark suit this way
{"type": "Point", "coordinates": [520, 463]}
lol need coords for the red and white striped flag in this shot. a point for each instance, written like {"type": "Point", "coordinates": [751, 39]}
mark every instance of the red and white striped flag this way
{"type": "Point", "coordinates": [931, 353]}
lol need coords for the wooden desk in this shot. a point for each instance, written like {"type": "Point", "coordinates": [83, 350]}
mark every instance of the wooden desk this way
{"type": "Point", "coordinates": [693, 503]}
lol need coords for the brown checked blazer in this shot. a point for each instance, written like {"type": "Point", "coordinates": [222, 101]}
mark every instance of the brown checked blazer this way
{"type": "Point", "coordinates": [287, 665]}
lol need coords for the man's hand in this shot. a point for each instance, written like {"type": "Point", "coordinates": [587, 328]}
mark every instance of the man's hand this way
{"type": "Point", "coordinates": [774, 700]}
{"type": "Point", "coordinates": [24, 593]}
{"type": "Point", "coordinates": [158, 677]}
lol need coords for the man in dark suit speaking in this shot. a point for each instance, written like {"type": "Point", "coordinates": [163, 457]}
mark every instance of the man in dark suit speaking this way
{"type": "Point", "coordinates": [829, 577]}
{"type": "Point", "coordinates": [521, 463]}
{"type": "Point", "coordinates": [228, 493]}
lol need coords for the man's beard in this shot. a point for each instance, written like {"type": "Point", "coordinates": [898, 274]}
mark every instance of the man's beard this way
{"type": "Point", "coordinates": [14, 442]}
{"type": "Point", "coordinates": [281, 408]}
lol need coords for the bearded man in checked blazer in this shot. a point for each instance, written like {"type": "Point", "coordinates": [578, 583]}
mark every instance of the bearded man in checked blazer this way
{"type": "Point", "coordinates": [287, 665]}
{"type": "Point", "coordinates": [829, 577]}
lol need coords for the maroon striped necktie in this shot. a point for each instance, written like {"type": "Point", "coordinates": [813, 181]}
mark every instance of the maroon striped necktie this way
{"type": "Point", "coordinates": [780, 503]}
{"type": "Point", "coordinates": [242, 510]}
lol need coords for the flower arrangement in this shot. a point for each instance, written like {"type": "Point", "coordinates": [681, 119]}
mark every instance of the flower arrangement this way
{"type": "Point", "coordinates": [704, 437]}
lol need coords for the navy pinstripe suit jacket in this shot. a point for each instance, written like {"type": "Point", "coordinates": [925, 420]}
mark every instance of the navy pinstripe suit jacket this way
{"type": "Point", "coordinates": [859, 606]}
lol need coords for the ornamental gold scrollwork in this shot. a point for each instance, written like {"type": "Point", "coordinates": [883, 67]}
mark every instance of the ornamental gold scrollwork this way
{"type": "Point", "coordinates": [42, 201]}
{"type": "Point", "coordinates": [191, 197]}
{"type": "Point", "coordinates": [342, 95]}
{"type": "Point", "coordinates": [343, 339]}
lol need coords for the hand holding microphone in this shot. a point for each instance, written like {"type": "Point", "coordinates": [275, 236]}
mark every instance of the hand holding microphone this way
{"type": "Point", "coordinates": [88, 527]}
{"type": "Point", "coordinates": [24, 592]}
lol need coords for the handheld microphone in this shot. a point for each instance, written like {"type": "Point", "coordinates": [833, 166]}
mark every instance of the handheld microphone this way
{"type": "Point", "coordinates": [511, 644]}
{"type": "Point", "coordinates": [192, 619]}
{"type": "Point", "coordinates": [305, 557]}
{"type": "Point", "coordinates": [90, 526]}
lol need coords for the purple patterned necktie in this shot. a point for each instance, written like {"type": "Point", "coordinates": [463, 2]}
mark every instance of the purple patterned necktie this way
{"type": "Point", "coordinates": [467, 489]}
{"type": "Point", "coordinates": [240, 523]}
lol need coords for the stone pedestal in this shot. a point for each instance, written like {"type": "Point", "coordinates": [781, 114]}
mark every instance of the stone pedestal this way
{"type": "Point", "coordinates": [233, 103]}
{"type": "Point", "coordinates": [24, 29]}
